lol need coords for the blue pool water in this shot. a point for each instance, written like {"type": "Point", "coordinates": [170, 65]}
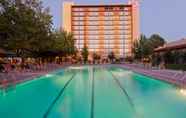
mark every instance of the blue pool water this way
{"type": "Point", "coordinates": [93, 92]}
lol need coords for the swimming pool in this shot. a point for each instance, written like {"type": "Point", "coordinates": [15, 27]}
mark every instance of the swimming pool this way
{"type": "Point", "coordinates": [93, 92]}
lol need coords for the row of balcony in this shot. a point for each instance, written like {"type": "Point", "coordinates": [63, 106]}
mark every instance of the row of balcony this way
{"type": "Point", "coordinates": [93, 14]}
{"type": "Point", "coordinates": [99, 9]}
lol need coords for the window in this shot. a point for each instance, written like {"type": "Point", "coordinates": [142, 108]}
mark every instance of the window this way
{"type": "Point", "coordinates": [81, 41]}
{"type": "Point", "coordinates": [93, 42]}
{"type": "Point", "coordinates": [107, 41]}
{"type": "Point", "coordinates": [108, 8]}
{"type": "Point", "coordinates": [92, 27]}
{"type": "Point", "coordinates": [93, 37]}
{"type": "Point", "coordinates": [78, 27]}
{"type": "Point", "coordinates": [78, 9]}
{"type": "Point", "coordinates": [109, 13]}
{"type": "Point", "coordinates": [75, 18]}
{"type": "Point", "coordinates": [75, 13]}
{"type": "Point", "coordinates": [127, 50]}
{"type": "Point", "coordinates": [91, 50]}
{"type": "Point", "coordinates": [78, 32]}
{"type": "Point", "coordinates": [108, 18]}
{"type": "Point", "coordinates": [93, 13]}
{"type": "Point", "coordinates": [81, 37]}
{"type": "Point", "coordinates": [78, 23]}
{"type": "Point", "coordinates": [75, 23]}
{"type": "Point", "coordinates": [127, 32]}
{"type": "Point", "coordinates": [81, 18]}
{"type": "Point", "coordinates": [109, 32]}
{"type": "Point", "coordinates": [126, 9]}
{"type": "Point", "coordinates": [121, 8]}
{"type": "Point", "coordinates": [122, 18]}
{"type": "Point", "coordinates": [108, 36]}
{"type": "Point", "coordinates": [127, 13]}
{"type": "Point", "coordinates": [121, 27]}
{"type": "Point", "coordinates": [121, 13]}
{"type": "Point", "coordinates": [81, 13]}
{"type": "Point", "coordinates": [81, 46]}
{"type": "Point", "coordinates": [92, 18]}
{"type": "Point", "coordinates": [76, 36]}
{"type": "Point", "coordinates": [111, 41]}
{"type": "Point", "coordinates": [93, 9]}
{"type": "Point", "coordinates": [107, 27]}
{"type": "Point", "coordinates": [92, 23]}
{"type": "Point", "coordinates": [121, 36]}
{"type": "Point", "coordinates": [108, 23]}
{"type": "Point", "coordinates": [93, 32]}
{"type": "Point", "coordinates": [93, 46]}
{"type": "Point", "coordinates": [75, 9]}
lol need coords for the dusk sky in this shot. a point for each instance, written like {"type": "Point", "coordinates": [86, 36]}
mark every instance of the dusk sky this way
{"type": "Point", "coordinates": [165, 17]}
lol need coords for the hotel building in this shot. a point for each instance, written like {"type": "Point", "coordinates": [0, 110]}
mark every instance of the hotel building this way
{"type": "Point", "coordinates": [103, 28]}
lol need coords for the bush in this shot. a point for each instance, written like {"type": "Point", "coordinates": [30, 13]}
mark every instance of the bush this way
{"type": "Point", "coordinates": [176, 66]}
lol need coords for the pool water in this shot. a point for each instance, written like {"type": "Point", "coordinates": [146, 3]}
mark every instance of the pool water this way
{"type": "Point", "coordinates": [93, 92]}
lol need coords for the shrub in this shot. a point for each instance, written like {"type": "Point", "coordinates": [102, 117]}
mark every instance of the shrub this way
{"type": "Point", "coordinates": [176, 66]}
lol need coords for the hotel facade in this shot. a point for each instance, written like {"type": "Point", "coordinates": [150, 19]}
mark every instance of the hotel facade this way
{"type": "Point", "coordinates": [103, 28]}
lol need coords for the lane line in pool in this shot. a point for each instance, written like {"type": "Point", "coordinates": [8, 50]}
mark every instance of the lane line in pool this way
{"type": "Point", "coordinates": [124, 91]}
{"type": "Point", "coordinates": [92, 98]}
{"type": "Point", "coordinates": [58, 96]}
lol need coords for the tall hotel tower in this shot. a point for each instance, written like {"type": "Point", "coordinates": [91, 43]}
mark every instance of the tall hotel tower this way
{"type": "Point", "coordinates": [103, 28]}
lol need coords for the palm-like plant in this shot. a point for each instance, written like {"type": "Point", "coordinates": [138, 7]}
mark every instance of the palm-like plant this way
{"type": "Point", "coordinates": [111, 56]}
{"type": "Point", "coordinates": [64, 42]}
{"type": "Point", "coordinates": [85, 54]}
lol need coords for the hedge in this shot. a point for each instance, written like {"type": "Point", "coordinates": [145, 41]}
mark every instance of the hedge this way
{"type": "Point", "coordinates": [176, 66]}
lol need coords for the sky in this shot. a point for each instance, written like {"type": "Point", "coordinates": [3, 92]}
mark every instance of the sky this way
{"type": "Point", "coordinates": [164, 17]}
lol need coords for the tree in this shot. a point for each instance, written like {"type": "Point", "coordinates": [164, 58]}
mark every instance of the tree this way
{"type": "Point", "coordinates": [25, 25]}
{"type": "Point", "coordinates": [85, 53]}
{"type": "Point", "coordinates": [156, 59]}
{"type": "Point", "coordinates": [111, 56]}
{"type": "Point", "coordinates": [64, 42]}
{"type": "Point", "coordinates": [96, 57]}
{"type": "Point", "coordinates": [157, 41]}
{"type": "Point", "coordinates": [144, 47]}
{"type": "Point", "coordinates": [169, 57]}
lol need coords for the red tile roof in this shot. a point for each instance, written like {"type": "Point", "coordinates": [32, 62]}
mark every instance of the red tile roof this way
{"type": "Point", "coordinates": [180, 44]}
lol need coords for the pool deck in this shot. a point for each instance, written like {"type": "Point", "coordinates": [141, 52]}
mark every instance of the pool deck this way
{"type": "Point", "coordinates": [177, 78]}
{"type": "Point", "coordinates": [15, 77]}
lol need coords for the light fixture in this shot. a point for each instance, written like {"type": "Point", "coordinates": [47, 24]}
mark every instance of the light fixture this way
{"type": "Point", "coordinates": [48, 75]}
{"type": "Point", "coordinates": [183, 91]}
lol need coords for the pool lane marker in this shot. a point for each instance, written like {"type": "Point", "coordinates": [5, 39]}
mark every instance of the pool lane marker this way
{"type": "Point", "coordinates": [58, 96]}
{"type": "Point", "coordinates": [125, 92]}
{"type": "Point", "coordinates": [92, 98]}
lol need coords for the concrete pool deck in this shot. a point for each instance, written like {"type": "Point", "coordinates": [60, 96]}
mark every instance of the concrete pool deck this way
{"type": "Point", "coordinates": [177, 78]}
{"type": "Point", "coordinates": [15, 77]}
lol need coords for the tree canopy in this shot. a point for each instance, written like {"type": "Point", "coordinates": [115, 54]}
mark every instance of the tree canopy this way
{"type": "Point", "coordinates": [85, 53]}
{"type": "Point", "coordinates": [64, 42]}
{"type": "Point", "coordinates": [144, 47]}
{"type": "Point", "coordinates": [27, 25]}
